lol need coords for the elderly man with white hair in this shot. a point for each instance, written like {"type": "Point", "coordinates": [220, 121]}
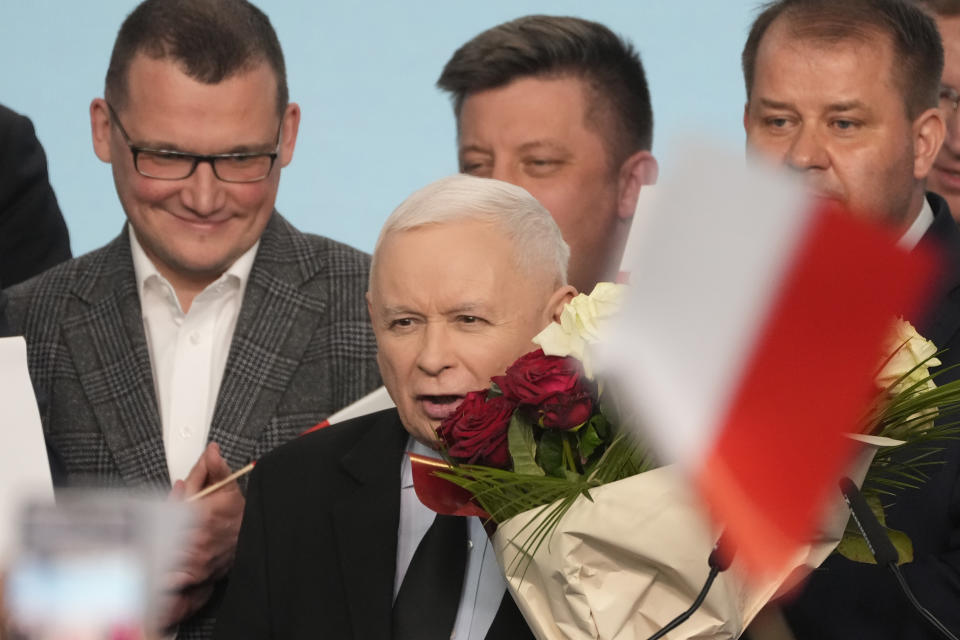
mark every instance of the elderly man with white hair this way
{"type": "Point", "coordinates": [334, 542]}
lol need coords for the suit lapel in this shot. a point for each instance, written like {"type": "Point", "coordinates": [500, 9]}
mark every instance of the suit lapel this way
{"type": "Point", "coordinates": [278, 317]}
{"type": "Point", "coordinates": [108, 347]}
{"type": "Point", "coordinates": [366, 522]}
{"type": "Point", "coordinates": [944, 321]}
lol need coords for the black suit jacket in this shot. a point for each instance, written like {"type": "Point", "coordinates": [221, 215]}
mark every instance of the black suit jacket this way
{"type": "Point", "coordinates": [4, 327]}
{"type": "Point", "coordinates": [33, 235]}
{"type": "Point", "coordinates": [845, 599]}
{"type": "Point", "coordinates": [317, 552]}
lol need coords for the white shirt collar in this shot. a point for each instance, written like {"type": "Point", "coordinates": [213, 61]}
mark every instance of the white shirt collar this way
{"type": "Point", "coordinates": [145, 271]}
{"type": "Point", "coordinates": [911, 237]}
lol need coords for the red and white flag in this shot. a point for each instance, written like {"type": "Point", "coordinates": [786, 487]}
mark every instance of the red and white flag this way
{"type": "Point", "coordinates": [750, 339]}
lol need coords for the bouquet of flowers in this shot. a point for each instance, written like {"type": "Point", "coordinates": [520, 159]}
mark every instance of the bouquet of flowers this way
{"type": "Point", "coordinates": [596, 541]}
{"type": "Point", "coordinates": [913, 416]}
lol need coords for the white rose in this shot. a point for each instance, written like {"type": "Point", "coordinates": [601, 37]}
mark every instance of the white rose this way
{"type": "Point", "coordinates": [582, 323]}
{"type": "Point", "coordinates": [907, 349]}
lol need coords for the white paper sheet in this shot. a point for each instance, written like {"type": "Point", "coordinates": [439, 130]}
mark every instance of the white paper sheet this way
{"type": "Point", "coordinates": [24, 470]}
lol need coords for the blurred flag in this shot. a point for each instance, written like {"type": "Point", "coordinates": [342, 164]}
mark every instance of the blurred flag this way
{"type": "Point", "coordinates": [751, 338]}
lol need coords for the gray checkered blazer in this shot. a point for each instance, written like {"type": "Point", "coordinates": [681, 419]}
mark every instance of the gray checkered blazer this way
{"type": "Point", "coordinates": [302, 349]}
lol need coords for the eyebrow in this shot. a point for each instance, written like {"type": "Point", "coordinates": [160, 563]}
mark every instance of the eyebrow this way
{"type": "Point", "coordinates": [850, 105]}
{"type": "Point", "coordinates": [834, 107]}
{"type": "Point", "coordinates": [526, 146]}
{"type": "Point", "coordinates": [774, 104]}
{"type": "Point", "coordinates": [466, 307]}
{"type": "Point", "coordinates": [170, 146]}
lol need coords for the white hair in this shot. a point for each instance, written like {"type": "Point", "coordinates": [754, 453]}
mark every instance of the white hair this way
{"type": "Point", "coordinates": [538, 245]}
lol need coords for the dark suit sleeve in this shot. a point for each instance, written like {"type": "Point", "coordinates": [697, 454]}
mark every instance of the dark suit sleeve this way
{"type": "Point", "coordinates": [246, 608]}
{"type": "Point", "coordinates": [845, 599]}
{"type": "Point", "coordinates": [33, 234]}
{"type": "Point", "coordinates": [4, 326]}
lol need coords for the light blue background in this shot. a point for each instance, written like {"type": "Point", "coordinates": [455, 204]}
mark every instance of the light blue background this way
{"type": "Point", "coordinates": [374, 127]}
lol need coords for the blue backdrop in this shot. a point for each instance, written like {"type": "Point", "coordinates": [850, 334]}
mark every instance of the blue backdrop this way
{"type": "Point", "coordinates": [374, 126]}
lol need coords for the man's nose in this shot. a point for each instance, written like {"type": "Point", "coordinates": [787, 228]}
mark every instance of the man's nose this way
{"type": "Point", "coordinates": [203, 193]}
{"type": "Point", "coordinates": [951, 141]}
{"type": "Point", "coordinates": [504, 171]}
{"type": "Point", "coordinates": [807, 150]}
{"type": "Point", "coordinates": [436, 349]}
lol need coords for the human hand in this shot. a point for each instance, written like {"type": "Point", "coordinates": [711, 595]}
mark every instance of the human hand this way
{"type": "Point", "coordinates": [213, 538]}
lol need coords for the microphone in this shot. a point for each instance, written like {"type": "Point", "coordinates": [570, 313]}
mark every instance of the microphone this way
{"type": "Point", "coordinates": [883, 550]}
{"type": "Point", "coordinates": [719, 560]}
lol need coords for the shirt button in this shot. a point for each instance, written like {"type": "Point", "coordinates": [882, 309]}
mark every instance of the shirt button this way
{"type": "Point", "coordinates": [185, 433]}
{"type": "Point", "coordinates": [469, 544]}
{"type": "Point", "coordinates": [195, 337]}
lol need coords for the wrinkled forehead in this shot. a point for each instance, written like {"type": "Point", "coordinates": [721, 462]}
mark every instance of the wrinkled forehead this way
{"type": "Point", "coordinates": [807, 33]}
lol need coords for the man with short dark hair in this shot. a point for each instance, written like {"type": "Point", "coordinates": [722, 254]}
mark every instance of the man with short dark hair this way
{"type": "Point", "coordinates": [845, 94]}
{"type": "Point", "coordinates": [945, 177]}
{"type": "Point", "coordinates": [210, 331]}
{"type": "Point", "coordinates": [559, 106]}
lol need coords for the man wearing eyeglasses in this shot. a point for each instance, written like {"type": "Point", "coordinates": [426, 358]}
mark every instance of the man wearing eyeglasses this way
{"type": "Point", "coordinates": [210, 330]}
{"type": "Point", "coordinates": [945, 176]}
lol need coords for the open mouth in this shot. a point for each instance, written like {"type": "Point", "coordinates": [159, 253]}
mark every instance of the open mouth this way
{"type": "Point", "coordinates": [439, 407]}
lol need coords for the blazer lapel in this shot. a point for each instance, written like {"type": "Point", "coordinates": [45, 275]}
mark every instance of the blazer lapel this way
{"type": "Point", "coordinates": [108, 348]}
{"type": "Point", "coordinates": [277, 320]}
{"type": "Point", "coordinates": [944, 321]}
{"type": "Point", "coordinates": [366, 522]}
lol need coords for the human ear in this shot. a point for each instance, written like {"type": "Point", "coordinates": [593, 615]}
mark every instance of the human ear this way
{"type": "Point", "coordinates": [288, 133]}
{"type": "Point", "coordinates": [639, 169]}
{"type": "Point", "coordinates": [929, 130]}
{"type": "Point", "coordinates": [100, 128]}
{"type": "Point", "coordinates": [558, 300]}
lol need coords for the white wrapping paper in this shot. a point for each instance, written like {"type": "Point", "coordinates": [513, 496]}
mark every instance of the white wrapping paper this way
{"type": "Point", "coordinates": [623, 566]}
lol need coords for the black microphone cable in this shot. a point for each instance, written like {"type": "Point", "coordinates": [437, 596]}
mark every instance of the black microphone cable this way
{"type": "Point", "coordinates": [883, 550]}
{"type": "Point", "coordinates": [719, 560]}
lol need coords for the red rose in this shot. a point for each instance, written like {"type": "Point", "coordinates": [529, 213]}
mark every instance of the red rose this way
{"type": "Point", "coordinates": [566, 411]}
{"type": "Point", "coordinates": [476, 433]}
{"type": "Point", "coordinates": [536, 377]}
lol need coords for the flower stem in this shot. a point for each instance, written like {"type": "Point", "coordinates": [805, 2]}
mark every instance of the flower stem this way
{"type": "Point", "coordinates": [568, 460]}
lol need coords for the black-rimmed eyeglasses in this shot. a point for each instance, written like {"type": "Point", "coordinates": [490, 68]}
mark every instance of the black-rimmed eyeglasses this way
{"type": "Point", "coordinates": [165, 164]}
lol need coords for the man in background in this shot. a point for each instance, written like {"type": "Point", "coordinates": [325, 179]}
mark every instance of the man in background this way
{"type": "Point", "coordinates": [33, 235]}
{"type": "Point", "coordinates": [945, 177]}
{"type": "Point", "coordinates": [210, 330]}
{"type": "Point", "coordinates": [846, 95]}
{"type": "Point", "coordinates": [560, 107]}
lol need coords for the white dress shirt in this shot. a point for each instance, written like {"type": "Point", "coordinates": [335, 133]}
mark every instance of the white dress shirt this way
{"type": "Point", "coordinates": [911, 237]}
{"type": "Point", "coordinates": [188, 351]}
{"type": "Point", "coordinates": [483, 582]}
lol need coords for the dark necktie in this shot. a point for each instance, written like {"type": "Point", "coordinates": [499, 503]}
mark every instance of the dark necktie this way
{"type": "Point", "coordinates": [426, 605]}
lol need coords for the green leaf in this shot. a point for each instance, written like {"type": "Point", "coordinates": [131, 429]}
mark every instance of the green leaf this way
{"type": "Point", "coordinates": [494, 391]}
{"type": "Point", "coordinates": [589, 439]}
{"type": "Point", "coordinates": [523, 446]}
{"type": "Point", "coordinates": [854, 547]}
{"type": "Point", "coordinates": [550, 454]}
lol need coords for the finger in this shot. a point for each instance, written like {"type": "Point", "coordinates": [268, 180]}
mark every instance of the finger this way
{"type": "Point", "coordinates": [217, 467]}
{"type": "Point", "coordinates": [197, 478]}
{"type": "Point", "coordinates": [178, 491]}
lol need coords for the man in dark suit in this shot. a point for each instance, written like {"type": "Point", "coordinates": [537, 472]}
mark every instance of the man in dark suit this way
{"type": "Point", "coordinates": [945, 176]}
{"type": "Point", "coordinates": [33, 235]}
{"type": "Point", "coordinates": [465, 273]}
{"type": "Point", "coordinates": [847, 94]}
{"type": "Point", "coordinates": [210, 331]}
